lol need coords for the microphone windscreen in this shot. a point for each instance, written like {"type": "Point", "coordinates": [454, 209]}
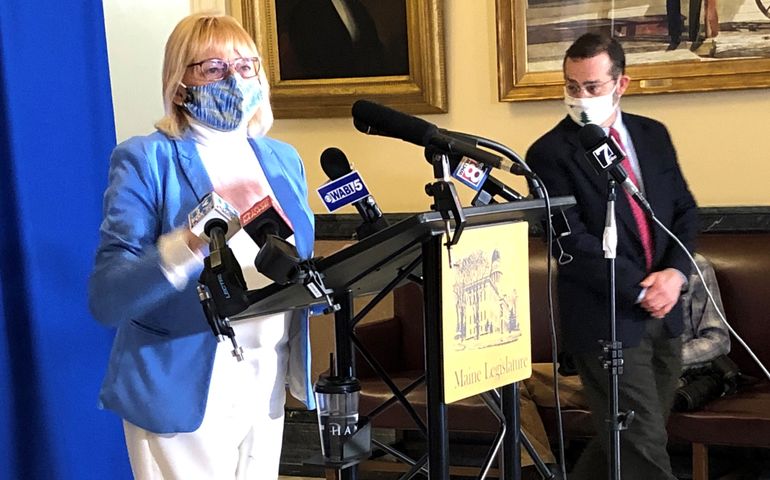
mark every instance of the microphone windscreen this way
{"type": "Point", "coordinates": [591, 135]}
{"type": "Point", "coordinates": [334, 163]}
{"type": "Point", "coordinates": [214, 223]}
{"type": "Point", "coordinates": [363, 127]}
{"type": "Point", "coordinates": [382, 120]}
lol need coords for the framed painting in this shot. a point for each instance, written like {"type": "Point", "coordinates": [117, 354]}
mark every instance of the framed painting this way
{"type": "Point", "coordinates": [323, 55]}
{"type": "Point", "coordinates": [671, 46]}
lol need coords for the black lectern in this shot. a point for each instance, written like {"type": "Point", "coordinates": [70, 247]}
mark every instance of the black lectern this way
{"type": "Point", "coordinates": [379, 263]}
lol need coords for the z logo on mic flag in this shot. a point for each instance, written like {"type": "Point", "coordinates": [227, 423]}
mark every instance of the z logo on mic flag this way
{"type": "Point", "coordinates": [604, 156]}
{"type": "Point", "coordinates": [343, 191]}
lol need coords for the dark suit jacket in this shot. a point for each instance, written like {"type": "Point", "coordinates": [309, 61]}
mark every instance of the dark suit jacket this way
{"type": "Point", "coordinates": [558, 158]}
{"type": "Point", "coordinates": [323, 46]}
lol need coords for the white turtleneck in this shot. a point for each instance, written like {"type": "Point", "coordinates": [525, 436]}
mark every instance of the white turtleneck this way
{"type": "Point", "coordinates": [231, 164]}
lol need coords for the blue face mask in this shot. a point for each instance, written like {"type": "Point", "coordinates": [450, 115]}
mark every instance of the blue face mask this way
{"type": "Point", "coordinates": [223, 105]}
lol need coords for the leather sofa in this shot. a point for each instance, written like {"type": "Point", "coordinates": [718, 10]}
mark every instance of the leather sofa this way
{"type": "Point", "coordinates": [741, 262]}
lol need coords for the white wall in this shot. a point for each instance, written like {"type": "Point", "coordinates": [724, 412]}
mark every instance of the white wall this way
{"type": "Point", "coordinates": [136, 36]}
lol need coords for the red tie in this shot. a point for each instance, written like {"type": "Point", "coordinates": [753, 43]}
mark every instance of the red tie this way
{"type": "Point", "coordinates": [642, 223]}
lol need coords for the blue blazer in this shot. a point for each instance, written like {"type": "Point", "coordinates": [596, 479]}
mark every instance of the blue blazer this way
{"type": "Point", "coordinates": [160, 365]}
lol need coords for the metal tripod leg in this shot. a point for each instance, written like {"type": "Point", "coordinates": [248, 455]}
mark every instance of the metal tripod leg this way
{"type": "Point", "coordinates": [540, 465]}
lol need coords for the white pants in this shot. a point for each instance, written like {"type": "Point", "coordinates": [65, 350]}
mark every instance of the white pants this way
{"type": "Point", "coordinates": [242, 430]}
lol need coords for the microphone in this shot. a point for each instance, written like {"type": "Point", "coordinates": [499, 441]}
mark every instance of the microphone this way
{"type": "Point", "coordinates": [222, 274]}
{"type": "Point", "coordinates": [263, 219]}
{"type": "Point", "coordinates": [477, 176]}
{"type": "Point", "coordinates": [336, 165]}
{"type": "Point", "coordinates": [277, 259]}
{"type": "Point", "coordinates": [212, 206]}
{"type": "Point", "coordinates": [604, 155]}
{"type": "Point", "coordinates": [375, 119]}
{"type": "Point", "coordinates": [214, 221]}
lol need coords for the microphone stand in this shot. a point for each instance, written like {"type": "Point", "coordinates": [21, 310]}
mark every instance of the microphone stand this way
{"type": "Point", "coordinates": [221, 270]}
{"type": "Point", "coordinates": [612, 358]}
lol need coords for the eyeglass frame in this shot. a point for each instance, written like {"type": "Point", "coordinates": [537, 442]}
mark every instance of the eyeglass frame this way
{"type": "Point", "coordinates": [587, 87]}
{"type": "Point", "coordinates": [229, 64]}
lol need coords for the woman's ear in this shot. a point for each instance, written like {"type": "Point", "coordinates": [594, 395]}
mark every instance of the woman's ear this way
{"type": "Point", "coordinates": [181, 95]}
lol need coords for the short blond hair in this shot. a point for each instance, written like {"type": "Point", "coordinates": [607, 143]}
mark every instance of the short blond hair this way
{"type": "Point", "coordinates": [193, 35]}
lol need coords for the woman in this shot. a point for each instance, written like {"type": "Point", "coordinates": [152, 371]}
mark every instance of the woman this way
{"type": "Point", "coordinates": [189, 409]}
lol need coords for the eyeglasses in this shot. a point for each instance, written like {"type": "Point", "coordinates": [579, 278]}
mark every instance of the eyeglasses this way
{"type": "Point", "coordinates": [591, 88]}
{"type": "Point", "coordinates": [215, 69]}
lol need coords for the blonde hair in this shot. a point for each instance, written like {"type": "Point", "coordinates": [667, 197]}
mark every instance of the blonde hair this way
{"type": "Point", "coordinates": [190, 38]}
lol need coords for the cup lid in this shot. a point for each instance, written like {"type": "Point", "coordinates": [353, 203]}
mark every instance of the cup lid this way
{"type": "Point", "coordinates": [334, 384]}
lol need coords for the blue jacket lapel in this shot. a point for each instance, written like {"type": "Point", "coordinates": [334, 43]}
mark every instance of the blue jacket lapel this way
{"type": "Point", "coordinates": [192, 166]}
{"type": "Point", "coordinates": [288, 196]}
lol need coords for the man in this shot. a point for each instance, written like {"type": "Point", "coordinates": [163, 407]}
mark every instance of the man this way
{"type": "Point", "coordinates": [649, 264]}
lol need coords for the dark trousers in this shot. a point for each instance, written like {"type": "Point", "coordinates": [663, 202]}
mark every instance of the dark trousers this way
{"type": "Point", "coordinates": [674, 17]}
{"type": "Point", "coordinates": [646, 386]}
{"type": "Point", "coordinates": [694, 20]}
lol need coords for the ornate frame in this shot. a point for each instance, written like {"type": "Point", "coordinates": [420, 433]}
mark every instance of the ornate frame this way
{"type": "Point", "coordinates": [516, 82]}
{"type": "Point", "coordinates": [423, 90]}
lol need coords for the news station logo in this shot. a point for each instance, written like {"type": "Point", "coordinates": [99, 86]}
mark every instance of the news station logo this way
{"type": "Point", "coordinates": [604, 155]}
{"type": "Point", "coordinates": [471, 173]}
{"type": "Point", "coordinates": [256, 210]}
{"type": "Point", "coordinates": [211, 203]}
{"type": "Point", "coordinates": [343, 191]}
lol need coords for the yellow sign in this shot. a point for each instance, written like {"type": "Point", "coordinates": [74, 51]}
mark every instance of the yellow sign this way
{"type": "Point", "coordinates": [485, 310]}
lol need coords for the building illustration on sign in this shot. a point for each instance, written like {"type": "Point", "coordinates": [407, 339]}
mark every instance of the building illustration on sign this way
{"type": "Point", "coordinates": [486, 312]}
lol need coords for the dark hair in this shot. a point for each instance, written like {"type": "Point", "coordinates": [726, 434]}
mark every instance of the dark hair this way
{"type": "Point", "coordinates": [592, 44]}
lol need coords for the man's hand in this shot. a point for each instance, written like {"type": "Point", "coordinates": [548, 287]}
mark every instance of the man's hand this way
{"type": "Point", "coordinates": [662, 293]}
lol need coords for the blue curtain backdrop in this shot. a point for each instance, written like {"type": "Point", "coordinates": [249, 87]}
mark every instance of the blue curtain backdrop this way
{"type": "Point", "coordinates": [56, 134]}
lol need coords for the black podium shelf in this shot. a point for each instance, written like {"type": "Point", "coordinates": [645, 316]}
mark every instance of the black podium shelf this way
{"type": "Point", "coordinates": [367, 266]}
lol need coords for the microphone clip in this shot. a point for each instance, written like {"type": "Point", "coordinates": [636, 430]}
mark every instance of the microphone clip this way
{"type": "Point", "coordinates": [446, 201]}
{"type": "Point", "coordinates": [279, 261]}
{"type": "Point", "coordinates": [313, 280]}
{"type": "Point", "coordinates": [219, 325]}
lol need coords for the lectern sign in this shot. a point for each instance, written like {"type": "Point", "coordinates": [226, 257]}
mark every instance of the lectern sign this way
{"type": "Point", "coordinates": [485, 310]}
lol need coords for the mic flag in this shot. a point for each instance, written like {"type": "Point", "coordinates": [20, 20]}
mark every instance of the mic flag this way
{"type": "Point", "coordinates": [471, 173]}
{"type": "Point", "coordinates": [264, 219]}
{"type": "Point", "coordinates": [210, 208]}
{"type": "Point", "coordinates": [343, 191]}
{"type": "Point", "coordinates": [276, 259]}
{"type": "Point", "coordinates": [605, 155]}
{"type": "Point", "coordinates": [602, 152]}
{"type": "Point", "coordinates": [335, 165]}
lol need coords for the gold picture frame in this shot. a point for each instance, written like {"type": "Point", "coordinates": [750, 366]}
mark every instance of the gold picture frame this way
{"type": "Point", "coordinates": [420, 89]}
{"type": "Point", "coordinates": [521, 79]}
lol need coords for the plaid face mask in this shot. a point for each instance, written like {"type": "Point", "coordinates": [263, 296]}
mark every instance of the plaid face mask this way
{"type": "Point", "coordinates": [225, 104]}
